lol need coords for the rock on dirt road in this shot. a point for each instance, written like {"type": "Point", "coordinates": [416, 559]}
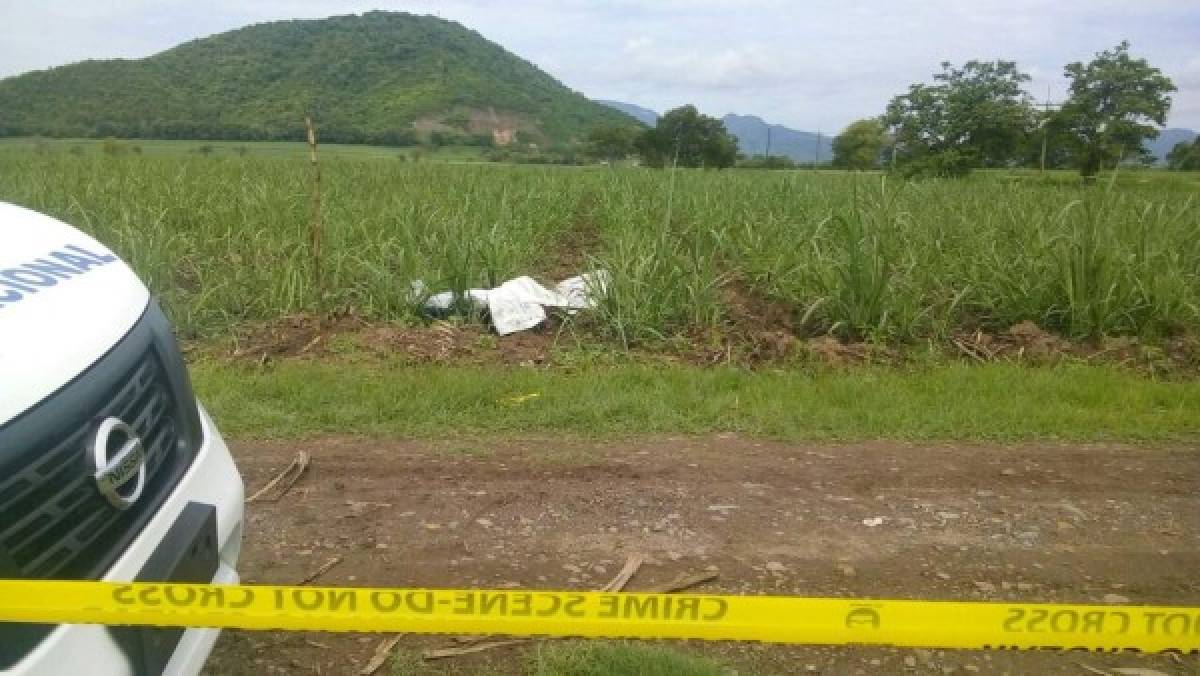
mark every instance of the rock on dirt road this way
{"type": "Point", "coordinates": [1055, 523]}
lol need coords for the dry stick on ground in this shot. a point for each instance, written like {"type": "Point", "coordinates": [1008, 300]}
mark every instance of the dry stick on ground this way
{"type": "Point", "coordinates": [442, 653]}
{"type": "Point", "coordinates": [680, 583]}
{"type": "Point", "coordinates": [616, 584]}
{"type": "Point", "coordinates": [975, 351]}
{"type": "Point", "coordinates": [295, 470]}
{"type": "Point", "coordinates": [631, 568]}
{"type": "Point", "coordinates": [311, 344]}
{"type": "Point", "coordinates": [684, 582]}
{"type": "Point", "coordinates": [382, 652]}
{"type": "Point", "coordinates": [321, 571]}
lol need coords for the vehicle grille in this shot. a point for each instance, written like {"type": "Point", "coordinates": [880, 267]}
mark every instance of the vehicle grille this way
{"type": "Point", "coordinates": [56, 523]}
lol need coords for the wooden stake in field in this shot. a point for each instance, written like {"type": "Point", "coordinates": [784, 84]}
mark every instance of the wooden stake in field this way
{"type": "Point", "coordinates": [314, 226]}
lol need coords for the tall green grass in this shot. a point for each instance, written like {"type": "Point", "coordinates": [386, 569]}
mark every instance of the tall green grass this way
{"type": "Point", "coordinates": [906, 262]}
{"type": "Point", "coordinates": [221, 239]}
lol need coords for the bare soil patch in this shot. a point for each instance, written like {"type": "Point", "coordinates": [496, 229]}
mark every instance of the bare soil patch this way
{"type": "Point", "coordinates": [1032, 522]}
{"type": "Point", "coordinates": [449, 342]}
{"type": "Point", "coordinates": [769, 341]}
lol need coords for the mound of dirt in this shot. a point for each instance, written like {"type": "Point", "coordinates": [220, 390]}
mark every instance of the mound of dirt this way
{"type": "Point", "coordinates": [1023, 340]}
{"type": "Point", "coordinates": [741, 341]}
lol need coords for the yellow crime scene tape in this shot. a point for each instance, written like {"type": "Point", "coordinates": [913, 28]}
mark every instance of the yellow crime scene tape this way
{"type": "Point", "coordinates": [774, 619]}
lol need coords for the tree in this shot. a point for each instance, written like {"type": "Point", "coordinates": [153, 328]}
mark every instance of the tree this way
{"type": "Point", "coordinates": [1048, 145]}
{"type": "Point", "coordinates": [766, 162]}
{"type": "Point", "coordinates": [1114, 102]}
{"type": "Point", "coordinates": [696, 140]}
{"type": "Point", "coordinates": [611, 142]}
{"type": "Point", "coordinates": [859, 145]}
{"type": "Point", "coordinates": [974, 116]}
{"type": "Point", "coordinates": [1185, 156]}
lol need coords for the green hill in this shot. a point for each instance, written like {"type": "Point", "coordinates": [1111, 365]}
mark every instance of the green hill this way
{"type": "Point", "coordinates": [382, 78]}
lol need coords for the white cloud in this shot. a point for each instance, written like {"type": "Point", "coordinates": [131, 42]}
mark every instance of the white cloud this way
{"type": "Point", "coordinates": [730, 67]}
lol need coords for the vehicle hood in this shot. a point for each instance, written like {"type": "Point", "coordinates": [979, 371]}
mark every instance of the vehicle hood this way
{"type": "Point", "coordinates": [65, 300]}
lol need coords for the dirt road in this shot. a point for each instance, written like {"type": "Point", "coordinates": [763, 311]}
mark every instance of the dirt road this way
{"type": "Point", "coordinates": [1079, 523]}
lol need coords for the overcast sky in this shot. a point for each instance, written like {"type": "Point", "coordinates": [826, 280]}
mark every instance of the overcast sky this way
{"type": "Point", "coordinates": [807, 64]}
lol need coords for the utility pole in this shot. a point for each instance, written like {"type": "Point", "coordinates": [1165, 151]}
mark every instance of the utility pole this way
{"type": "Point", "coordinates": [817, 150]}
{"type": "Point", "coordinates": [1045, 127]}
{"type": "Point", "coordinates": [767, 154]}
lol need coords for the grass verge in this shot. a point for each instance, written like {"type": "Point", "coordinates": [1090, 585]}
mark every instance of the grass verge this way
{"type": "Point", "coordinates": [1001, 401]}
{"type": "Point", "coordinates": [618, 659]}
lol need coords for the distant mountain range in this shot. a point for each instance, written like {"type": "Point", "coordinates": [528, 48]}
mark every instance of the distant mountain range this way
{"type": "Point", "coordinates": [644, 115]}
{"type": "Point", "coordinates": [755, 136]}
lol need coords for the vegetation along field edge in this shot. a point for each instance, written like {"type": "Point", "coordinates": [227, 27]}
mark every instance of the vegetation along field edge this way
{"type": "Point", "coordinates": [1003, 402]}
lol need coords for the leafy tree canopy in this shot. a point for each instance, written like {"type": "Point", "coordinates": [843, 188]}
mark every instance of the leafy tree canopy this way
{"type": "Point", "coordinates": [688, 138]}
{"type": "Point", "coordinates": [1185, 156]}
{"type": "Point", "coordinates": [1114, 104]}
{"type": "Point", "coordinates": [611, 142]}
{"type": "Point", "coordinates": [974, 116]}
{"type": "Point", "coordinates": [860, 145]}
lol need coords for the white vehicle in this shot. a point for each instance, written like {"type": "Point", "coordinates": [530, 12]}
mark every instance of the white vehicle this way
{"type": "Point", "coordinates": [109, 467]}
